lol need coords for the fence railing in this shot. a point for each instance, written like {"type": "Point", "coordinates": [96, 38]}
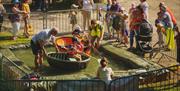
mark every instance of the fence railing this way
{"type": "Point", "coordinates": [43, 20]}
{"type": "Point", "coordinates": [56, 85]}
{"type": "Point", "coordinates": [165, 79]}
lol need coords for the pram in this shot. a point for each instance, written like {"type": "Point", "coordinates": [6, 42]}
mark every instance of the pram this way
{"type": "Point", "coordinates": [144, 37]}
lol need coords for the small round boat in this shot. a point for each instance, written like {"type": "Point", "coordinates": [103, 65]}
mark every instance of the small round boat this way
{"type": "Point", "coordinates": [61, 61]}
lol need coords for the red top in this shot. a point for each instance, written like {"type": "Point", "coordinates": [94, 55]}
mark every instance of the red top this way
{"type": "Point", "coordinates": [135, 21]}
{"type": "Point", "coordinates": [79, 47]}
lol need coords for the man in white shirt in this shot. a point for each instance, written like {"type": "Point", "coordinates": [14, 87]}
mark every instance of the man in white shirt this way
{"type": "Point", "coordinates": [37, 44]}
{"type": "Point", "coordinates": [104, 73]}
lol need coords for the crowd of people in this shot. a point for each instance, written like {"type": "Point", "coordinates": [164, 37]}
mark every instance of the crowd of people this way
{"type": "Point", "coordinates": [117, 18]}
{"type": "Point", "coordinates": [19, 10]}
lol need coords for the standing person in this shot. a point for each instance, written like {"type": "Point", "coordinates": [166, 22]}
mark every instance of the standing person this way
{"type": "Point", "coordinates": [124, 33]}
{"type": "Point", "coordinates": [168, 25]}
{"type": "Point", "coordinates": [177, 37]}
{"type": "Point", "coordinates": [104, 73]}
{"type": "Point", "coordinates": [138, 17]}
{"type": "Point", "coordinates": [96, 33]}
{"type": "Point", "coordinates": [73, 15]}
{"type": "Point", "coordinates": [171, 14]}
{"type": "Point", "coordinates": [26, 16]}
{"type": "Point", "coordinates": [108, 18]}
{"type": "Point", "coordinates": [15, 19]}
{"type": "Point", "coordinates": [99, 5]}
{"type": "Point", "coordinates": [116, 19]}
{"type": "Point", "coordinates": [132, 16]}
{"type": "Point", "coordinates": [87, 6]}
{"type": "Point", "coordinates": [37, 44]}
{"type": "Point", "coordinates": [2, 12]}
{"type": "Point", "coordinates": [144, 5]}
{"type": "Point", "coordinates": [160, 30]}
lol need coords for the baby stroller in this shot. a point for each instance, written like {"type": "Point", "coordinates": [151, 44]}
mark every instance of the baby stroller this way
{"type": "Point", "coordinates": [144, 37]}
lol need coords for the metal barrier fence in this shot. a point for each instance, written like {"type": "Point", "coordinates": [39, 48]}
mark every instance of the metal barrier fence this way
{"type": "Point", "coordinates": [43, 20]}
{"type": "Point", "coordinates": [165, 79]}
{"type": "Point", "coordinates": [56, 85]}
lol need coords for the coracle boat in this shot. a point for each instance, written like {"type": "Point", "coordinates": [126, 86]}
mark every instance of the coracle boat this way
{"type": "Point", "coordinates": [61, 61]}
{"type": "Point", "coordinates": [67, 42]}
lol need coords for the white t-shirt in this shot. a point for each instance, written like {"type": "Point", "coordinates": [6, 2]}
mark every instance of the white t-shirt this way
{"type": "Point", "coordinates": [87, 5]}
{"type": "Point", "coordinates": [105, 74]}
{"type": "Point", "coordinates": [43, 35]}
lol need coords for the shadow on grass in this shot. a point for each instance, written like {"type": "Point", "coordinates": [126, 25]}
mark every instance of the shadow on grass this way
{"type": "Point", "coordinates": [5, 37]}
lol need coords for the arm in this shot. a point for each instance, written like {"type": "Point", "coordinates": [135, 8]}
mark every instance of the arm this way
{"type": "Point", "coordinates": [15, 10]}
{"type": "Point", "coordinates": [55, 45]}
{"type": "Point", "coordinates": [112, 73]}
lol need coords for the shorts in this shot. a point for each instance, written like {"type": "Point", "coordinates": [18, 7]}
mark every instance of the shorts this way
{"type": "Point", "coordinates": [36, 49]}
{"type": "Point", "coordinates": [15, 28]}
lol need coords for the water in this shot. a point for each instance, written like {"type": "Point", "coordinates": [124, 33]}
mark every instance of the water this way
{"type": "Point", "coordinates": [26, 56]}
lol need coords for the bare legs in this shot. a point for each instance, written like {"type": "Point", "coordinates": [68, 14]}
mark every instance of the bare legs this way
{"type": "Point", "coordinates": [38, 60]}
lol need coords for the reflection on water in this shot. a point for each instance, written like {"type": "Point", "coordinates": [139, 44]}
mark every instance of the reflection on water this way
{"type": "Point", "coordinates": [26, 56]}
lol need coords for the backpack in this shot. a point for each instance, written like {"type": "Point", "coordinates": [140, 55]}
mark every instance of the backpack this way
{"type": "Point", "coordinates": [145, 28]}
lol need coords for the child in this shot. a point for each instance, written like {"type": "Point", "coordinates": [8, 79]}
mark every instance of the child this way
{"type": "Point", "coordinates": [76, 50]}
{"type": "Point", "coordinates": [104, 73]}
{"type": "Point", "coordinates": [26, 17]}
{"type": "Point", "coordinates": [160, 30]}
{"type": "Point", "coordinates": [124, 34]}
{"type": "Point", "coordinates": [84, 39]}
{"type": "Point", "coordinates": [72, 15]}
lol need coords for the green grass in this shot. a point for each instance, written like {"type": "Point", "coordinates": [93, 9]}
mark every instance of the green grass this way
{"type": "Point", "coordinates": [5, 39]}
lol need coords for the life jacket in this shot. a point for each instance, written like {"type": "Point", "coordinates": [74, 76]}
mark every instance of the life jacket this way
{"type": "Point", "coordinates": [79, 47]}
{"type": "Point", "coordinates": [96, 31]}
